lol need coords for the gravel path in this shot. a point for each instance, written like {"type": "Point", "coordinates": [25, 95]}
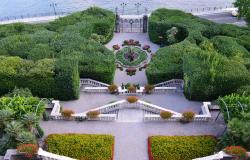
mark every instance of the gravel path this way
{"type": "Point", "coordinates": [131, 137]}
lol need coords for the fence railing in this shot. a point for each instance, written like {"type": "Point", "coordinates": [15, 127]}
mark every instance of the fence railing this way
{"type": "Point", "coordinates": [192, 10]}
{"type": "Point", "coordinates": [26, 16]}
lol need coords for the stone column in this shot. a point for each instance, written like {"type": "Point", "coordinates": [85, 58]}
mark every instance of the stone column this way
{"type": "Point", "coordinates": [145, 24]}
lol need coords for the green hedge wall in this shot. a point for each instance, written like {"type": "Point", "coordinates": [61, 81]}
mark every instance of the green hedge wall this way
{"type": "Point", "coordinates": [205, 52]}
{"type": "Point", "coordinates": [81, 146]}
{"type": "Point", "coordinates": [181, 147]}
{"type": "Point", "coordinates": [208, 75]}
{"type": "Point", "coordinates": [41, 77]}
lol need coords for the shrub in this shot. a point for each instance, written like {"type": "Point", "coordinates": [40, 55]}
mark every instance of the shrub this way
{"type": "Point", "coordinates": [233, 102]}
{"type": "Point", "coordinates": [187, 116]}
{"type": "Point", "coordinates": [22, 92]}
{"type": "Point", "coordinates": [29, 149]}
{"type": "Point", "coordinates": [93, 114]}
{"type": "Point", "coordinates": [45, 116]}
{"type": "Point", "coordinates": [132, 99]}
{"type": "Point", "coordinates": [236, 151]}
{"type": "Point", "coordinates": [165, 114]}
{"type": "Point", "coordinates": [180, 147]}
{"type": "Point", "coordinates": [67, 113]}
{"type": "Point", "coordinates": [113, 88]}
{"type": "Point", "coordinates": [80, 146]}
{"type": "Point", "coordinates": [132, 89]}
{"type": "Point", "coordinates": [149, 88]}
{"type": "Point", "coordinates": [40, 132]}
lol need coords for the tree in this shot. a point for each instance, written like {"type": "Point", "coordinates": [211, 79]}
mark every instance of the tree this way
{"type": "Point", "coordinates": [26, 138]}
{"type": "Point", "coordinates": [5, 117]}
{"type": "Point", "coordinates": [30, 120]}
{"type": "Point", "coordinates": [243, 8]}
{"type": "Point", "coordinates": [14, 128]}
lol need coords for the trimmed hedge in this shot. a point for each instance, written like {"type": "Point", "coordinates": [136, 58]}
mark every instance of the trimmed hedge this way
{"type": "Point", "coordinates": [76, 39]}
{"type": "Point", "coordinates": [208, 75]}
{"type": "Point", "coordinates": [81, 146]}
{"type": "Point", "coordinates": [220, 54]}
{"type": "Point", "coordinates": [45, 78]}
{"type": "Point", "coordinates": [180, 147]}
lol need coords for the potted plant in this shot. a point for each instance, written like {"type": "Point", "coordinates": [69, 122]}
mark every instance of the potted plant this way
{"type": "Point", "coordinates": [131, 71]}
{"type": "Point", "coordinates": [132, 89]}
{"type": "Point", "coordinates": [116, 47]}
{"type": "Point", "coordinates": [237, 152]}
{"type": "Point", "coordinates": [113, 88]}
{"type": "Point", "coordinates": [165, 115]}
{"type": "Point", "coordinates": [29, 150]}
{"type": "Point", "coordinates": [146, 47]}
{"type": "Point", "coordinates": [93, 114]}
{"type": "Point", "coordinates": [132, 99]}
{"type": "Point", "coordinates": [149, 88]}
{"type": "Point", "coordinates": [67, 113]}
{"type": "Point", "coordinates": [187, 116]}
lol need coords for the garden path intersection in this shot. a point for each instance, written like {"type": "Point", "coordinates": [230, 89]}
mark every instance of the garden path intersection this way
{"type": "Point", "coordinates": [130, 131]}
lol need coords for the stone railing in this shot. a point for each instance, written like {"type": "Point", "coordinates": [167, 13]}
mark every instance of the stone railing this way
{"type": "Point", "coordinates": [51, 156]}
{"type": "Point", "coordinates": [91, 82]}
{"type": "Point", "coordinates": [124, 91]}
{"type": "Point", "coordinates": [95, 89]}
{"type": "Point", "coordinates": [171, 83]}
{"type": "Point", "coordinates": [204, 116]}
{"type": "Point", "coordinates": [106, 109]}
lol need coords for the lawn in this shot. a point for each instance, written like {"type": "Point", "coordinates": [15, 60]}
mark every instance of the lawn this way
{"type": "Point", "coordinates": [180, 147]}
{"type": "Point", "coordinates": [82, 146]}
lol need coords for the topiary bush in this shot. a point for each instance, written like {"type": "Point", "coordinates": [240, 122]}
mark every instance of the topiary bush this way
{"type": "Point", "coordinates": [149, 88]}
{"type": "Point", "coordinates": [113, 88]}
{"type": "Point", "coordinates": [187, 116]}
{"type": "Point", "coordinates": [67, 113]}
{"type": "Point", "coordinates": [132, 99]}
{"type": "Point", "coordinates": [93, 114]}
{"type": "Point", "coordinates": [165, 114]}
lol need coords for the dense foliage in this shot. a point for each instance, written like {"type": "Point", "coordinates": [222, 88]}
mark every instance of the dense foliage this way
{"type": "Point", "coordinates": [236, 111]}
{"type": "Point", "coordinates": [180, 147]}
{"type": "Point", "coordinates": [243, 9]}
{"type": "Point", "coordinates": [213, 59]}
{"type": "Point", "coordinates": [19, 121]}
{"type": "Point", "coordinates": [45, 78]}
{"type": "Point", "coordinates": [78, 36]}
{"type": "Point", "coordinates": [81, 146]}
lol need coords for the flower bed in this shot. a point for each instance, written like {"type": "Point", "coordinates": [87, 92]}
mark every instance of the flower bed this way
{"type": "Point", "coordinates": [138, 57]}
{"type": "Point", "coordinates": [180, 147]}
{"type": "Point", "coordinates": [81, 146]}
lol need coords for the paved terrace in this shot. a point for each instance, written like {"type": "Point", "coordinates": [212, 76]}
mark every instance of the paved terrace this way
{"type": "Point", "coordinates": [131, 137]}
{"type": "Point", "coordinates": [174, 101]}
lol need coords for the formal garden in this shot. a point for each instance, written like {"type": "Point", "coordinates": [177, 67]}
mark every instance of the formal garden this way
{"type": "Point", "coordinates": [43, 63]}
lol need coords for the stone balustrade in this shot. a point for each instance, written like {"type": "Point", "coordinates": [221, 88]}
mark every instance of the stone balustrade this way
{"type": "Point", "coordinates": [126, 92]}
{"type": "Point", "coordinates": [204, 116]}
{"type": "Point", "coordinates": [106, 109]}
{"type": "Point", "coordinates": [91, 82]}
{"type": "Point", "coordinates": [171, 83]}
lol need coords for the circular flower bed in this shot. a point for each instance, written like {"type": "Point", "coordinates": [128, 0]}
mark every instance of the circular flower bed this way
{"type": "Point", "coordinates": [131, 56]}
